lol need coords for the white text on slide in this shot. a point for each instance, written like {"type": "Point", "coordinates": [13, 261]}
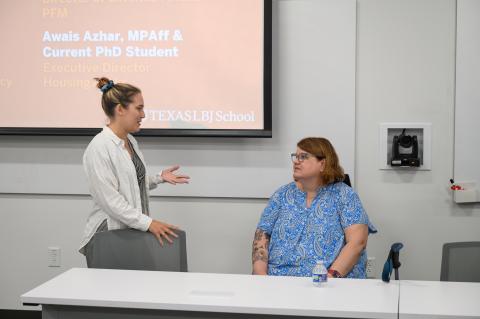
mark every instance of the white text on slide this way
{"type": "Point", "coordinates": [110, 51]}
{"type": "Point", "coordinates": [88, 36]}
{"type": "Point", "coordinates": [102, 36]}
{"type": "Point", "coordinates": [205, 116]}
{"type": "Point", "coordinates": [112, 44]}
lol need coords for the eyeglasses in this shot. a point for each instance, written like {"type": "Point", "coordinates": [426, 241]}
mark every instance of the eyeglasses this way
{"type": "Point", "coordinates": [303, 156]}
{"type": "Point", "coordinates": [299, 157]}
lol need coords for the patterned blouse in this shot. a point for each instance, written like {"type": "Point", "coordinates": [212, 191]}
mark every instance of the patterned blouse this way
{"type": "Point", "coordinates": [300, 236]}
{"type": "Point", "coordinates": [141, 179]}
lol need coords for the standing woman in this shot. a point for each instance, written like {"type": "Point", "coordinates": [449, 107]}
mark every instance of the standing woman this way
{"type": "Point", "coordinates": [116, 171]}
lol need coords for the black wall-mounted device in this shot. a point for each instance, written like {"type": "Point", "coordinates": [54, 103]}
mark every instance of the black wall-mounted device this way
{"type": "Point", "coordinates": [405, 150]}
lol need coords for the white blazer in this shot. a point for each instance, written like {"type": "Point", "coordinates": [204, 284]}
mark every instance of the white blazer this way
{"type": "Point", "coordinates": [113, 184]}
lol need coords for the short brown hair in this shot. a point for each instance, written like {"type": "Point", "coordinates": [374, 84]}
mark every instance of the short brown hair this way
{"type": "Point", "coordinates": [117, 93]}
{"type": "Point", "coordinates": [323, 149]}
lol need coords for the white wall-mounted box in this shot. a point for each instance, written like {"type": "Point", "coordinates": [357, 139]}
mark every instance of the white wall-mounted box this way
{"type": "Point", "coordinates": [467, 194]}
{"type": "Point", "coordinates": [422, 130]}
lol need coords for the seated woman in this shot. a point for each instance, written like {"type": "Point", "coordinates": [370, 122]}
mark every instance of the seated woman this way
{"type": "Point", "coordinates": [315, 217]}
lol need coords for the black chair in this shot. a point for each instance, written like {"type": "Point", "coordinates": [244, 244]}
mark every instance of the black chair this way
{"type": "Point", "coordinates": [347, 180]}
{"type": "Point", "coordinates": [461, 262]}
{"type": "Point", "coordinates": [137, 250]}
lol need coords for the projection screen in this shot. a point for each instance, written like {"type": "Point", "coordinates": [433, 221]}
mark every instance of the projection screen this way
{"type": "Point", "coordinates": [204, 66]}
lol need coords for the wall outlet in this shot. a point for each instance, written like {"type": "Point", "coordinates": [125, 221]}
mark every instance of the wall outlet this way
{"type": "Point", "coordinates": [371, 267]}
{"type": "Point", "coordinates": [54, 257]}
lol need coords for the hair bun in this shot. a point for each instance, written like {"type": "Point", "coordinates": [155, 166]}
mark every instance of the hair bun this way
{"type": "Point", "coordinates": [104, 84]}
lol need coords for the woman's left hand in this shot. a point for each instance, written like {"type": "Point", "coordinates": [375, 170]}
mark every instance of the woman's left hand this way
{"type": "Point", "coordinates": [170, 177]}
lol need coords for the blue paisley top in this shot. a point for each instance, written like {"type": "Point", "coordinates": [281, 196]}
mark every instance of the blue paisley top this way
{"type": "Point", "coordinates": [300, 236]}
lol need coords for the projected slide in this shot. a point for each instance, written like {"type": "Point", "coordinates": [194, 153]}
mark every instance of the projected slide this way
{"type": "Point", "coordinates": [199, 63]}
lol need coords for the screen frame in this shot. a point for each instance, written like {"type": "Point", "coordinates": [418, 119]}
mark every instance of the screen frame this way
{"type": "Point", "coordinates": [266, 132]}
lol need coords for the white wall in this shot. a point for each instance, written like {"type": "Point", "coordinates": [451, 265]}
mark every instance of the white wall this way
{"type": "Point", "coordinates": [467, 97]}
{"type": "Point", "coordinates": [405, 72]}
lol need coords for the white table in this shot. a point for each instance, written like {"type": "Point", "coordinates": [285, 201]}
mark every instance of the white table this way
{"type": "Point", "coordinates": [101, 293]}
{"type": "Point", "coordinates": [439, 299]}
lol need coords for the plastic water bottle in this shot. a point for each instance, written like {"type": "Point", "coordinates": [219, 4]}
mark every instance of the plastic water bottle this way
{"type": "Point", "coordinates": [319, 274]}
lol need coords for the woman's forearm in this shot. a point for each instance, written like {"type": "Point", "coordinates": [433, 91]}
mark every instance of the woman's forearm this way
{"type": "Point", "coordinates": [260, 253]}
{"type": "Point", "coordinates": [348, 257]}
{"type": "Point", "coordinates": [356, 237]}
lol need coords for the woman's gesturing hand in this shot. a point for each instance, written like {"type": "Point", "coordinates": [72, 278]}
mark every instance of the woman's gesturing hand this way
{"type": "Point", "coordinates": [170, 177]}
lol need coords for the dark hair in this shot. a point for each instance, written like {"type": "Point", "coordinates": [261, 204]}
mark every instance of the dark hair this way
{"type": "Point", "coordinates": [323, 149]}
{"type": "Point", "coordinates": [114, 94]}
